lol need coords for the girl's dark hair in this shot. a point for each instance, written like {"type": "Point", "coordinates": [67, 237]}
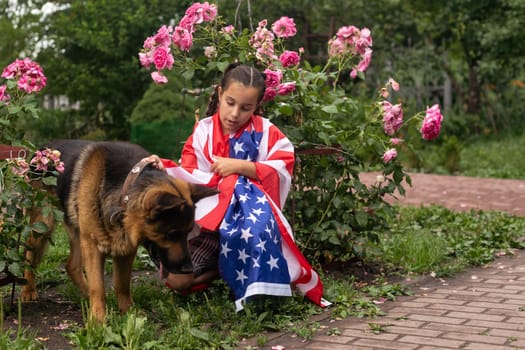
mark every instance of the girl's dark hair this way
{"type": "Point", "coordinates": [241, 73]}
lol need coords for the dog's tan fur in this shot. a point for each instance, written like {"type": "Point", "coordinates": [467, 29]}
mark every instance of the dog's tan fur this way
{"type": "Point", "coordinates": [160, 210]}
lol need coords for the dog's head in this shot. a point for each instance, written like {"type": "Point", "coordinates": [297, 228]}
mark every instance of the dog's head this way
{"type": "Point", "coordinates": [162, 216]}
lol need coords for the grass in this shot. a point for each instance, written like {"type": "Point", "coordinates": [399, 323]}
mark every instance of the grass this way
{"type": "Point", "coordinates": [422, 241]}
{"type": "Point", "coordinates": [495, 156]}
{"type": "Point", "coordinates": [426, 240]}
{"type": "Point", "coordinates": [436, 240]}
{"type": "Point", "coordinates": [501, 157]}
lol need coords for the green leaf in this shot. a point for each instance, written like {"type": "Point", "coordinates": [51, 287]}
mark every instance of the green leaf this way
{"type": "Point", "coordinates": [222, 65]}
{"type": "Point", "coordinates": [197, 333]}
{"type": "Point", "coordinates": [362, 218]}
{"type": "Point", "coordinates": [15, 269]}
{"type": "Point", "coordinates": [40, 227]}
{"type": "Point", "coordinates": [13, 109]}
{"type": "Point", "coordinates": [49, 180]}
{"type": "Point", "coordinates": [332, 109]}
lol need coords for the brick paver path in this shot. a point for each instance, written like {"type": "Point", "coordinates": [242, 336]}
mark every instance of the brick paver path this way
{"type": "Point", "coordinates": [482, 308]}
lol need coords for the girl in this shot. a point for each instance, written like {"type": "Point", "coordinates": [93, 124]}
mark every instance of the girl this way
{"type": "Point", "coordinates": [241, 234]}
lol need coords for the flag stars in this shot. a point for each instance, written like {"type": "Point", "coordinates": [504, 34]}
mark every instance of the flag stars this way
{"type": "Point", "coordinates": [255, 263]}
{"type": "Point", "coordinates": [258, 211]}
{"type": "Point", "coordinates": [242, 255]}
{"type": "Point", "coordinates": [252, 218]}
{"type": "Point", "coordinates": [241, 276]}
{"type": "Point", "coordinates": [224, 225]}
{"type": "Point", "coordinates": [262, 200]}
{"type": "Point", "coordinates": [273, 262]}
{"type": "Point", "coordinates": [261, 245]}
{"type": "Point", "coordinates": [225, 250]}
{"type": "Point", "coordinates": [232, 231]}
{"type": "Point", "coordinates": [246, 234]}
{"type": "Point", "coordinates": [238, 147]}
{"type": "Point", "coordinates": [244, 197]}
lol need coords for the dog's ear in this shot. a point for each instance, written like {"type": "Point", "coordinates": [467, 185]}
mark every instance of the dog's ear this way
{"type": "Point", "coordinates": [199, 192]}
{"type": "Point", "coordinates": [165, 203]}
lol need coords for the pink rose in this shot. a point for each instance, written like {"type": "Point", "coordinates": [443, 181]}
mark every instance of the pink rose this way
{"type": "Point", "coordinates": [20, 167]}
{"type": "Point", "coordinates": [196, 14]}
{"type": "Point", "coordinates": [149, 43]}
{"type": "Point", "coordinates": [363, 40]}
{"type": "Point", "coordinates": [163, 36]}
{"type": "Point", "coordinates": [273, 78]}
{"type": "Point", "coordinates": [228, 29]}
{"type": "Point", "coordinates": [392, 117]}
{"type": "Point", "coordinates": [60, 167]}
{"type": "Point", "coordinates": [432, 123]}
{"type": "Point", "coordinates": [395, 141]}
{"type": "Point", "coordinates": [289, 58]}
{"type": "Point", "coordinates": [188, 22]}
{"type": "Point", "coordinates": [269, 94]}
{"type": "Point", "coordinates": [347, 32]}
{"type": "Point", "coordinates": [389, 155]}
{"type": "Point", "coordinates": [182, 38]}
{"type": "Point", "coordinates": [365, 61]}
{"type": "Point", "coordinates": [4, 96]}
{"type": "Point", "coordinates": [261, 36]}
{"type": "Point", "coordinates": [145, 59]}
{"type": "Point", "coordinates": [265, 52]}
{"type": "Point", "coordinates": [209, 12]}
{"type": "Point", "coordinates": [210, 51]}
{"type": "Point", "coordinates": [284, 27]}
{"type": "Point", "coordinates": [336, 47]}
{"type": "Point", "coordinates": [162, 58]}
{"type": "Point", "coordinates": [394, 84]}
{"type": "Point", "coordinates": [286, 88]}
{"type": "Point", "coordinates": [30, 75]}
{"type": "Point", "coordinates": [159, 78]}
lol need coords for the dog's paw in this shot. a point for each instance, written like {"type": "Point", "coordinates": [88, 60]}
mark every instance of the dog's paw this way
{"type": "Point", "coordinates": [28, 294]}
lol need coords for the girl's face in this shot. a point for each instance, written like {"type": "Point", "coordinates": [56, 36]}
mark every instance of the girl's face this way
{"type": "Point", "coordinates": [237, 103]}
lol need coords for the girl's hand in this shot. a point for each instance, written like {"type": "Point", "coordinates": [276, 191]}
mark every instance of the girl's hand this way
{"type": "Point", "coordinates": [229, 166]}
{"type": "Point", "coordinates": [155, 161]}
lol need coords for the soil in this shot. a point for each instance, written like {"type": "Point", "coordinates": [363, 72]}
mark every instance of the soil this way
{"type": "Point", "coordinates": [46, 319]}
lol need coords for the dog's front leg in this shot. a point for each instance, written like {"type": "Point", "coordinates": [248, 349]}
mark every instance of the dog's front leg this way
{"type": "Point", "coordinates": [36, 247]}
{"type": "Point", "coordinates": [93, 261]}
{"type": "Point", "coordinates": [122, 268]}
{"type": "Point", "coordinates": [74, 266]}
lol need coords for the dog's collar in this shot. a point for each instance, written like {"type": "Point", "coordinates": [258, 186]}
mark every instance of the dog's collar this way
{"type": "Point", "coordinates": [132, 176]}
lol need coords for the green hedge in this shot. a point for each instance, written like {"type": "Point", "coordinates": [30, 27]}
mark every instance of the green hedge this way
{"type": "Point", "coordinates": [164, 137]}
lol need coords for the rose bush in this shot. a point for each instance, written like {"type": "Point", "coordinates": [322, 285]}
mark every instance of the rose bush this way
{"type": "Point", "coordinates": [336, 135]}
{"type": "Point", "coordinates": [23, 78]}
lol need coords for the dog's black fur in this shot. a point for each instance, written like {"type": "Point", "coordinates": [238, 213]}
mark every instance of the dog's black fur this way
{"type": "Point", "coordinates": [106, 214]}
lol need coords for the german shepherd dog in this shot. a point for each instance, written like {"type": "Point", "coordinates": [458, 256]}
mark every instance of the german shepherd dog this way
{"type": "Point", "coordinates": [112, 202]}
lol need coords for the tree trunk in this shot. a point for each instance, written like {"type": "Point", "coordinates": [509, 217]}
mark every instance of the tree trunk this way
{"type": "Point", "coordinates": [474, 91]}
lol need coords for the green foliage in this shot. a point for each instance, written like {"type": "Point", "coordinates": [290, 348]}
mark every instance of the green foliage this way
{"type": "Point", "coordinates": [17, 194]}
{"type": "Point", "coordinates": [336, 213]}
{"type": "Point", "coordinates": [94, 60]}
{"type": "Point", "coordinates": [435, 239]}
{"type": "Point", "coordinates": [164, 118]}
{"type": "Point", "coordinates": [485, 156]}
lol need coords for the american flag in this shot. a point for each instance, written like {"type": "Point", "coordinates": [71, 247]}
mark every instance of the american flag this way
{"type": "Point", "coordinates": [258, 253]}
